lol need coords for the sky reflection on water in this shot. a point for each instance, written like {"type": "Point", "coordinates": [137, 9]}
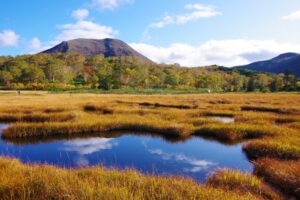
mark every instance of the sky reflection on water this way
{"type": "Point", "coordinates": [195, 157]}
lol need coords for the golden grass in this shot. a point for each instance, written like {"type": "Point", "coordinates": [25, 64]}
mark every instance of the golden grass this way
{"type": "Point", "coordinates": [93, 124]}
{"type": "Point", "coordinates": [36, 117]}
{"type": "Point", "coordinates": [269, 123]}
{"type": "Point", "coordinates": [282, 174]}
{"type": "Point", "coordinates": [18, 181]}
{"type": "Point", "coordinates": [98, 109]}
{"type": "Point", "coordinates": [278, 110]}
{"type": "Point", "coordinates": [284, 148]}
{"type": "Point", "coordinates": [235, 132]}
{"type": "Point", "coordinates": [242, 183]}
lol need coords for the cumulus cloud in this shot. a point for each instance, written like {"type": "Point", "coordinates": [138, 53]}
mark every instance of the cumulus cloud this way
{"type": "Point", "coordinates": [8, 38]}
{"type": "Point", "coordinates": [84, 29]}
{"type": "Point", "coordinates": [80, 14]}
{"type": "Point", "coordinates": [109, 4]}
{"type": "Point", "coordinates": [79, 29]}
{"type": "Point", "coordinates": [292, 16]}
{"type": "Point", "coordinates": [221, 52]}
{"type": "Point", "coordinates": [35, 45]}
{"type": "Point", "coordinates": [197, 11]}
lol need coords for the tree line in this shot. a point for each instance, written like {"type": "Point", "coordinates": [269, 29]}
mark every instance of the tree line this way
{"type": "Point", "coordinates": [71, 70]}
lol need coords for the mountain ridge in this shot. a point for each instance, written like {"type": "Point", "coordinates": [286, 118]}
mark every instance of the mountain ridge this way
{"type": "Point", "coordinates": [286, 62]}
{"type": "Point", "coordinates": [90, 47]}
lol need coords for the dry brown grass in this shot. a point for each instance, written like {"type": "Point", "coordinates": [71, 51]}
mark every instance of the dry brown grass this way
{"type": "Point", "coordinates": [272, 120]}
{"type": "Point", "coordinates": [18, 181]}
{"type": "Point", "coordinates": [242, 183]}
{"type": "Point", "coordinates": [282, 174]}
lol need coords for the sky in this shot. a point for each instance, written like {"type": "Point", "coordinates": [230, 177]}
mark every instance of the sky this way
{"type": "Point", "coordinates": [188, 32]}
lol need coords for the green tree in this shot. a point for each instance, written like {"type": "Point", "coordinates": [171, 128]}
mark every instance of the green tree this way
{"type": "Point", "coordinates": [116, 74]}
{"type": "Point", "coordinates": [53, 69]}
{"type": "Point", "coordinates": [32, 74]}
{"type": "Point", "coordinates": [104, 74]}
{"type": "Point", "coordinates": [5, 78]}
{"type": "Point", "coordinates": [171, 78]}
{"type": "Point", "coordinates": [277, 83]}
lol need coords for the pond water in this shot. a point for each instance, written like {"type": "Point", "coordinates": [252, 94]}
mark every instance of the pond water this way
{"type": "Point", "coordinates": [195, 157]}
{"type": "Point", "coordinates": [225, 120]}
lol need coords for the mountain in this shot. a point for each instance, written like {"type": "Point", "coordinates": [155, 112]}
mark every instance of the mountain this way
{"type": "Point", "coordinates": [280, 64]}
{"type": "Point", "coordinates": [90, 47]}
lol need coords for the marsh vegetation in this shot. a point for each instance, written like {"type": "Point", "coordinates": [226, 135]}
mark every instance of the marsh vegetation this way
{"type": "Point", "coordinates": [267, 125]}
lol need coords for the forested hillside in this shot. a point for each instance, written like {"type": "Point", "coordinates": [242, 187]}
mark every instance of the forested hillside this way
{"type": "Point", "coordinates": [287, 62]}
{"type": "Point", "coordinates": [71, 70]}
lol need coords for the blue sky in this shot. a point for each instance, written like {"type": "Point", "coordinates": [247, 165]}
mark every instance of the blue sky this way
{"type": "Point", "coordinates": [189, 32]}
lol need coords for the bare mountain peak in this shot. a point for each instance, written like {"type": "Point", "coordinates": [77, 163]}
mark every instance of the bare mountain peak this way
{"type": "Point", "coordinates": [109, 47]}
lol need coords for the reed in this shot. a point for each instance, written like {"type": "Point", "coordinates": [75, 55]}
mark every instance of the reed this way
{"type": "Point", "coordinates": [284, 148]}
{"type": "Point", "coordinates": [35, 182]}
{"type": "Point", "coordinates": [287, 178]}
{"type": "Point", "coordinates": [235, 132]}
{"type": "Point", "coordinates": [99, 109]}
{"type": "Point", "coordinates": [278, 110]}
{"type": "Point", "coordinates": [36, 117]}
{"type": "Point", "coordinates": [96, 124]}
{"type": "Point", "coordinates": [242, 183]}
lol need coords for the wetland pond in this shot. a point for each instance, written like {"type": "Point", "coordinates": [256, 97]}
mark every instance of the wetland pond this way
{"type": "Point", "coordinates": [149, 154]}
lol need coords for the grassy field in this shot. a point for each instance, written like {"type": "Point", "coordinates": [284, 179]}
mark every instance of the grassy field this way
{"type": "Point", "coordinates": [269, 124]}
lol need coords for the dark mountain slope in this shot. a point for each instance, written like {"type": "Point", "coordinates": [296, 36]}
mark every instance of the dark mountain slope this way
{"type": "Point", "coordinates": [91, 47]}
{"type": "Point", "coordinates": [285, 62]}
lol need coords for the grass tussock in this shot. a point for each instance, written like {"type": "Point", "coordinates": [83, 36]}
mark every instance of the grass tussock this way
{"type": "Point", "coordinates": [221, 101]}
{"type": "Point", "coordinates": [241, 183]}
{"type": "Point", "coordinates": [98, 109]}
{"type": "Point", "coordinates": [18, 181]}
{"type": "Point", "coordinates": [282, 174]}
{"type": "Point", "coordinates": [98, 124]}
{"type": "Point", "coordinates": [287, 119]}
{"type": "Point", "coordinates": [256, 118]}
{"type": "Point", "coordinates": [278, 110]}
{"type": "Point", "coordinates": [214, 113]}
{"type": "Point", "coordinates": [54, 110]}
{"type": "Point", "coordinates": [41, 117]}
{"type": "Point", "coordinates": [234, 132]}
{"type": "Point", "coordinates": [160, 105]}
{"type": "Point", "coordinates": [288, 149]}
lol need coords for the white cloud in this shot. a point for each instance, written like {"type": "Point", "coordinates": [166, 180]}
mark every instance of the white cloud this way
{"type": "Point", "coordinates": [35, 45]}
{"type": "Point", "coordinates": [79, 29]}
{"type": "Point", "coordinates": [109, 4]}
{"type": "Point", "coordinates": [84, 29]}
{"type": "Point", "coordinates": [163, 22]}
{"type": "Point", "coordinates": [80, 14]}
{"type": "Point", "coordinates": [8, 38]}
{"type": "Point", "coordinates": [198, 11]}
{"type": "Point", "coordinates": [293, 16]}
{"type": "Point", "coordinates": [220, 52]}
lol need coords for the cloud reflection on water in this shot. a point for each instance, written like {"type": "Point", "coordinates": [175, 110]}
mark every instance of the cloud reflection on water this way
{"type": "Point", "coordinates": [197, 164]}
{"type": "Point", "coordinates": [84, 147]}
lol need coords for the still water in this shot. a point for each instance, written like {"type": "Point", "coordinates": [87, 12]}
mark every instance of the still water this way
{"type": "Point", "coordinates": [225, 120]}
{"type": "Point", "coordinates": [195, 157]}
